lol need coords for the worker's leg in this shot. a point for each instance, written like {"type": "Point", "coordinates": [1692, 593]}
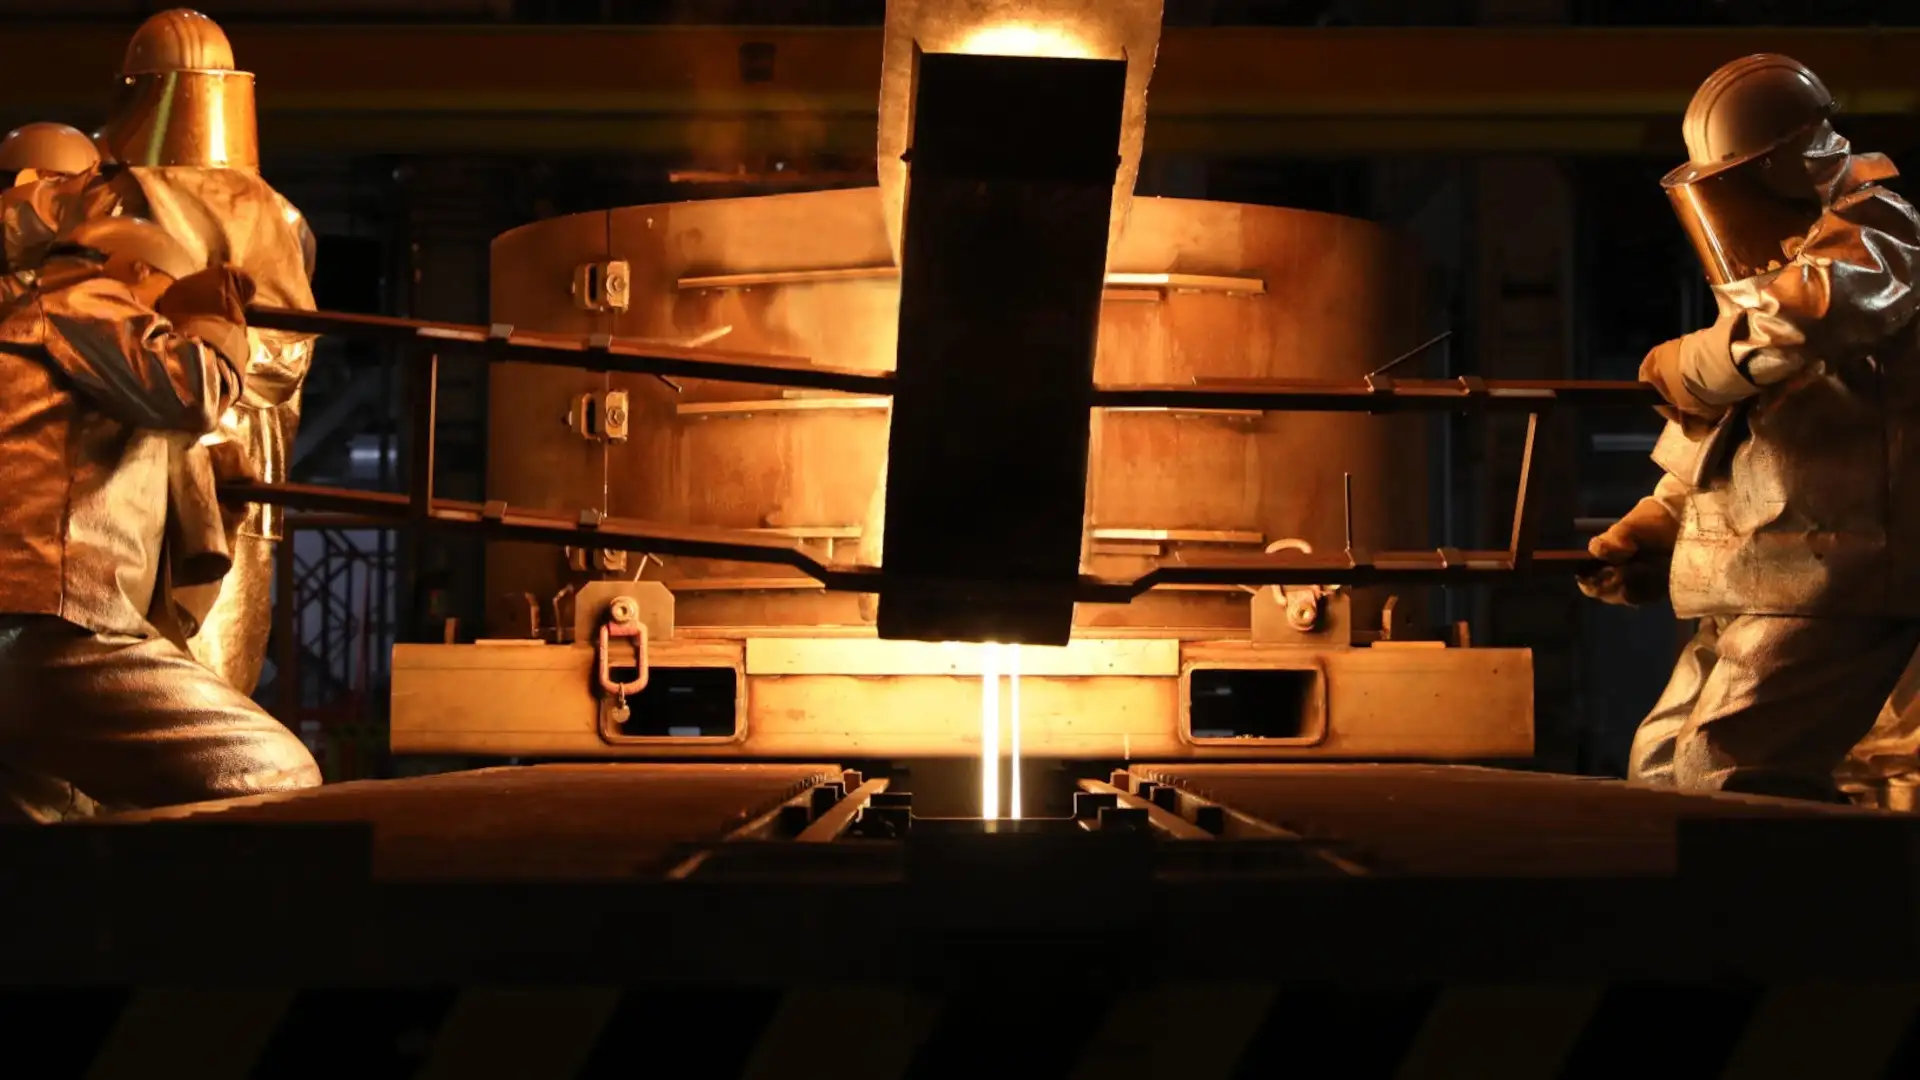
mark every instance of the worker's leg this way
{"type": "Point", "coordinates": [1650, 761]}
{"type": "Point", "coordinates": [135, 723]}
{"type": "Point", "coordinates": [1786, 701]}
{"type": "Point", "coordinates": [1891, 749]}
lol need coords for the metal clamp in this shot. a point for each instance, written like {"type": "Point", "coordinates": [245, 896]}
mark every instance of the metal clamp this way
{"type": "Point", "coordinates": [602, 286]}
{"type": "Point", "coordinates": [623, 621]}
{"type": "Point", "coordinates": [601, 418]}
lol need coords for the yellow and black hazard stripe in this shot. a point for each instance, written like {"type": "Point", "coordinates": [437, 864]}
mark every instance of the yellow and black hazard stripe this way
{"type": "Point", "coordinates": [1200, 1031]}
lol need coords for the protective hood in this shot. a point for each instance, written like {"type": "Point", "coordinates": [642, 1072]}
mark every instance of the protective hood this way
{"type": "Point", "coordinates": [1741, 227]}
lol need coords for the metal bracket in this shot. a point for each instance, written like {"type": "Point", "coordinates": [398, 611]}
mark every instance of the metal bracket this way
{"type": "Point", "coordinates": [590, 560]}
{"type": "Point", "coordinates": [1296, 613]}
{"type": "Point", "coordinates": [604, 418]}
{"type": "Point", "coordinates": [603, 286]}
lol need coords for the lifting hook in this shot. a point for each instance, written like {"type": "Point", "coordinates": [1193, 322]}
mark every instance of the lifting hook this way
{"type": "Point", "coordinates": [623, 621]}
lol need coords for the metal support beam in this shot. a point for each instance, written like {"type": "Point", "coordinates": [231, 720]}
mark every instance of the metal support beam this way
{"type": "Point", "coordinates": [425, 393]}
{"type": "Point", "coordinates": [588, 528]}
{"type": "Point", "coordinates": [835, 820]}
{"type": "Point", "coordinates": [676, 91]}
{"type": "Point", "coordinates": [597, 352]}
{"type": "Point", "coordinates": [1229, 823]}
{"type": "Point", "coordinates": [1526, 516]}
{"type": "Point", "coordinates": [1164, 821]}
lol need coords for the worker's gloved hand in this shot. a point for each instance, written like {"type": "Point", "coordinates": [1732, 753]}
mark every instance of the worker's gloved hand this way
{"type": "Point", "coordinates": [1662, 369]}
{"type": "Point", "coordinates": [1640, 580]}
{"type": "Point", "coordinates": [1648, 527]}
{"type": "Point", "coordinates": [1636, 551]}
{"type": "Point", "coordinates": [231, 463]}
{"type": "Point", "coordinates": [219, 292]}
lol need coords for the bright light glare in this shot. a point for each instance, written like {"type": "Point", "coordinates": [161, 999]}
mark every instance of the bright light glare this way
{"type": "Point", "coordinates": [997, 660]}
{"type": "Point", "coordinates": [990, 731]}
{"type": "Point", "coordinates": [1013, 730]}
{"type": "Point", "coordinates": [1020, 39]}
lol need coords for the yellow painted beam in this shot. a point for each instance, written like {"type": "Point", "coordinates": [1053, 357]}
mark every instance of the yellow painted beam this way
{"type": "Point", "coordinates": [721, 92]}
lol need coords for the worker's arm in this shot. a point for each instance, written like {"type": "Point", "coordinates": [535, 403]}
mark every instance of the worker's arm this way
{"type": "Point", "coordinates": [1850, 288]}
{"type": "Point", "coordinates": [139, 367]}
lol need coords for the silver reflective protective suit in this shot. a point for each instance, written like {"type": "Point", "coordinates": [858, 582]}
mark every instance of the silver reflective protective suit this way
{"type": "Point", "coordinates": [1888, 759]}
{"type": "Point", "coordinates": [1817, 512]}
{"type": "Point", "coordinates": [95, 392]}
{"type": "Point", "coordinates": [1799, 541]}
{"type": "Point", "coordinates": [104, 722]}
{"type": "Point", "coordinates": [221, 216]}
{"type": "Point", "coordinates": [1769, 704]}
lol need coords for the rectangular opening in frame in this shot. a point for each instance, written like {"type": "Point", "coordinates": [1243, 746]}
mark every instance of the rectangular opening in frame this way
{"type": "Point", "coordinates": [1252, 706]}
{"type": "Point", "coordinates": [679, 704]}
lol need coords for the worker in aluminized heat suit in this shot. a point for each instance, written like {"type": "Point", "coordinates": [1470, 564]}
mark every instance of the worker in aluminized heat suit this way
{"type": "Point", "coordinates": [121, 351]}
{"type": "Point", "coordinates": [1790, 503]}
{"type": "Point", "coordinates": [181, 149]}
{"type": "Point", "coordinates": [30, 155]}
{"type": "Point", "coordinates": [45, 151]}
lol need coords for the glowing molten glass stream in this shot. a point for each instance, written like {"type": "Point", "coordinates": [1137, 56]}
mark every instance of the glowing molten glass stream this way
{"type": "Point", "coordinates": [990, 731]}
{"type": "Point", "coordinates": [996, 660]}
{"type": "Point", "coordinates": [1013, 731]}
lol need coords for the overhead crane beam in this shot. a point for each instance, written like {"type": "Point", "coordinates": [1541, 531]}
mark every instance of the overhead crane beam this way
{"type": "Point", "coordinates": [694, 93]}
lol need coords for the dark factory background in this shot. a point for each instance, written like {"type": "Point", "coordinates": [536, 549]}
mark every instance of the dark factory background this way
{"type": "Point", "coordinates": [1546, 244]}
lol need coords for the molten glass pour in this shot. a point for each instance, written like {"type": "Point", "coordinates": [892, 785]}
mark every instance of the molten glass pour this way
{"type": "Point", "coordinates": [995, 661]}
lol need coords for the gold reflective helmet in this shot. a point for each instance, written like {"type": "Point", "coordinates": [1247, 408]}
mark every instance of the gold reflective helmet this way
{"type": "Point", "coordinates": [1740, 222]}
{"type": "Point", "coordinates": [37, 150]}
{"type": "Point", "coordinates": [180, 100]}
{"type": "Point", "coordinates": [117, 243]}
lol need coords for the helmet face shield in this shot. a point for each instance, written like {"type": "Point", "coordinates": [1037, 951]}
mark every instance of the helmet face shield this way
{"type": "Point", "coordinates": [1740, 227]}
{"type": "Point", "coordinates": [203, 118]}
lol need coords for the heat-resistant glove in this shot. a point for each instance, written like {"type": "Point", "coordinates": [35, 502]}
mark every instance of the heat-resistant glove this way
{"type": "Point", "coordinates": [219, 292]}
{"type": "Point", "coordinates": [1637, 550]}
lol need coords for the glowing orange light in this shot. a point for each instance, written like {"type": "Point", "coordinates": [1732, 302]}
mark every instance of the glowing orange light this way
{"type": "Point", "coordinates": [1070, 29]}
{"type": "Point", "coordinates": [1023, 39]}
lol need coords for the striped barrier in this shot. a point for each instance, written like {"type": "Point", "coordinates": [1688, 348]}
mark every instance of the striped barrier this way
{"type": "Point", "coordinates": [890, 1032]}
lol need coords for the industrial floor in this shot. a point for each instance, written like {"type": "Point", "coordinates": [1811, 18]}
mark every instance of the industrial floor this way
{"type": "Point", "coordinates": [537, 822]}
{"type": "Point", "coordinates": [614, 822]}
{"type": "Point", "coordinates": [563, 871]}
{"type": "Point", "coordinates": [1495, 924]}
